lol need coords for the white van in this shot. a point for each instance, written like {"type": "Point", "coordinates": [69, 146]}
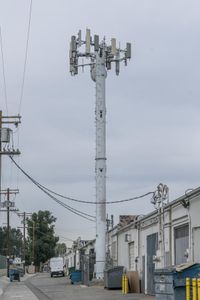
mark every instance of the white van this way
{"type": "Point", "coordinates": [56, 266]}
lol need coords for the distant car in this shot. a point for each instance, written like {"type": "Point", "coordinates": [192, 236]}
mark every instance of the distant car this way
{"type": "Point", "coordinates": [56, 266]}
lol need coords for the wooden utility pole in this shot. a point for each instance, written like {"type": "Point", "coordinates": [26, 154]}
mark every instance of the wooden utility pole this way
{"type": "Point", "coordinates": [33, 254]}
{"type": "Point", "coordinates": [24, 237]}
{"type": "Point", "coordinates": [9, 207]}
{"type": "Point", "coordinates": [0, 148]}
{"type": "Point", "coordinates": [24, 215]}
{"type": "Point", "coordinates": [5, 138]}
{"type": "Point", "coordinates": [8, 223]}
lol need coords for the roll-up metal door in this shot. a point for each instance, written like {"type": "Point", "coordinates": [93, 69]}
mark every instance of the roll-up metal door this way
{"type": "Point", "coordinates": [181, 242]}
{"type": "Point", "coordinates": [152, 247]}
{"type": "Point", "coordinates": [196, 244]}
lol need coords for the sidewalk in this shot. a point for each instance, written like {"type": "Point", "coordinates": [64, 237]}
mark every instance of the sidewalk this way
{"type": "Point", "coordinates": [4, 282]}
{"type": "Point", "coordinates": [16, 289]}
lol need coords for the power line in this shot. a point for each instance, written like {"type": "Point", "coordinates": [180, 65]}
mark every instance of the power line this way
{"type": "Point", "coordinates": [71, 209]}
{"type": "Point", "coordinates": [3, 71]}
{"type": "Point", "coordinates": [26, 56]}
{"type": "Point", "coordinates": [76, 200]}
{"type": "Point", "coordinates": [60, 236]}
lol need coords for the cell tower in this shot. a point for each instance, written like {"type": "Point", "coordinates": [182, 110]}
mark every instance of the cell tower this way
{"type": "Point", "coordinates": [99, 57]}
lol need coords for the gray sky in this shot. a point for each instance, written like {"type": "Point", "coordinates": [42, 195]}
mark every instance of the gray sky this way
{"type": "Point", "coordinates": [152, 107]}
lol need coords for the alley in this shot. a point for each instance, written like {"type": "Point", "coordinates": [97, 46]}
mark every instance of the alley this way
{"type": "Point", "coordinates": [43, 287]}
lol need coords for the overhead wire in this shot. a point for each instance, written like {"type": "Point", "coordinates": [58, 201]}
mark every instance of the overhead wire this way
{"type": "Point", "coordinates": [59, 236]}
{"type": "Point", "coordinates": [3, 72]}
{"type": "Point", "coordinates": [26, 56]}
{"type": "Point", "coordinates": [82, 201]}
{"type": "Point", "coordinates": [63, 237]}
{"type": "Point", "coordinates": [56, 235]}
{"type": "Point", "coordinates": [73, 210]}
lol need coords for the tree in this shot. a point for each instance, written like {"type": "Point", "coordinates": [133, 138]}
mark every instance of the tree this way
{"type": "Point", "coordinates": [60, 249]}
{"type": "Point", "coordinates": [41, 241]}
{"type": "Point", "coordinates": [15, 242]}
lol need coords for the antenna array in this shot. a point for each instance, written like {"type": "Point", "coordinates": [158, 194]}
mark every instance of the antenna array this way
{"type": "Point", "coordinates": [111, 53]}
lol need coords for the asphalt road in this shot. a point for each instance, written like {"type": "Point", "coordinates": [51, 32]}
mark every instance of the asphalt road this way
{"type": "Point", "coordinates": [59, 288]}
{"type": "Point", "coordinates": [43, 287]}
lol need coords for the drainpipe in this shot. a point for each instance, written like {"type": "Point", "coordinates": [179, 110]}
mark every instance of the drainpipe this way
{"type": "Point", "coordinates": [139, 256]}
{"type": "Point", "coordinates": [170, 235]}
{"type": "Point", "coordinates": [117, 249]}
{"type": "Point", "coordinates": [191, 257]}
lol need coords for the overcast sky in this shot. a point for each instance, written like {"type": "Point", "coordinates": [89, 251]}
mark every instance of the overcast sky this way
{"type": "Point", "coordinates": [153, 107]}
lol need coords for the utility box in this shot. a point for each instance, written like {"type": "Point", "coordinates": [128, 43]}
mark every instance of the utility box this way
{"type": "Point", "coordinates": [170, 283]}
{"type": "Point", "coordinates": [113, 277]}
{"type": "Point", "coordinates": [5, 135]}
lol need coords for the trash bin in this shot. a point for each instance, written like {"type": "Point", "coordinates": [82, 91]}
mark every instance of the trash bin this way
{"type": "Point", "coordinates": [113, 278]}
{"type": "Point", "coordinates": [70, 270]}
{"type": "Point", "coordinates": [14, 274]}
{"type": "Point", "coordinates": [75, 276]}
{"type": "Point", "coordinates": [170, 283]}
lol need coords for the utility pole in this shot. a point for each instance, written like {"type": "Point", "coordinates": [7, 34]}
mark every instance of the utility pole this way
{"type": "Point", "coordinates": [24, 238]}
{"type": "Point", "coordinates": [8, 224]}
{"type": "Point", "coordinates": [5, 137]}
{"type": "Point", "coordinates": [24, 215]}
{"type": "Point", "coordinates": [33, 227]}
{"type": "Point", "coordinates": [0, 149]}
{"type": "Point", "coordinates": [101, 59]}
{"type": "Point", "coordinates": [33, 253]}
{"type": "Point", "coordinates": [9, 208]}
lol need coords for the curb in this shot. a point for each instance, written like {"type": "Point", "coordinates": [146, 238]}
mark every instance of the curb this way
{"type": "Point", "coordinates": [4, 282]}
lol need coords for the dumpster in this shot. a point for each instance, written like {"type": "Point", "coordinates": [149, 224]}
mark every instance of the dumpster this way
{"type": "Point", "coordinates": [70, 270]}
{"type": "Point", "coordinates": [75, 276]}
{"type": "Point", "coordinates": [170, 283]}
{"type": "Point", "coordinates": [113, 277]}
{"type": "Point", "coordinates": [14, 274]}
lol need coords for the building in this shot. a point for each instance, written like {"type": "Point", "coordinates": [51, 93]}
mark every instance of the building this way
{"type": "Point", "coordinates": [167, 236]}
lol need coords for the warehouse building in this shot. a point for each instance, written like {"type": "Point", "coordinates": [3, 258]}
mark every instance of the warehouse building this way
{"type": "Point", "coordinates": [169, 235]}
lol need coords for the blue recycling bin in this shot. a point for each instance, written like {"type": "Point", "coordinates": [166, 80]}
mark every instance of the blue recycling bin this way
{"type": "Point", "coordinates": [170, 283]}
{"type": "Point", "coordinates": [75, 276]}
